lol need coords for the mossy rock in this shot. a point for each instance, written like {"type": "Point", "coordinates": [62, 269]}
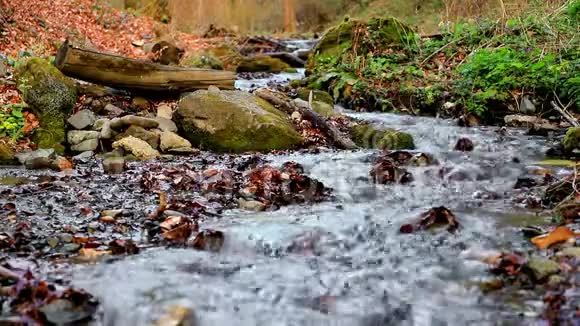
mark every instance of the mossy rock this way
{"type": "Point", "coordinates": [229, 57]}
{"type": "Point", "coordinates": [317, 95]}
{"type": "Point", "coordinates": [367, 136]}
{"type": "Point", "coordinates": [234, 122]}
{"type": "Point", "coordinates": [7, 156]}
{"type": "Point", "coordinates": [372, 37]}
{"type": "Point", "coordinates": [572, 139]}
{"type": "Point", "coordinates": [203, 60]}
{"type": "Point", "coordinates": [262, 64]}
{"type": "Point", "coordinates": [324, 109]}
{"type": "Point", "coordinates": [51, 95]}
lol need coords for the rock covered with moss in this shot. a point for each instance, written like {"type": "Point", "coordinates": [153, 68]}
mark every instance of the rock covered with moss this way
{"type": "Point", "coordinates": [7, 156]}
{"type": "Point", "coordinates": [262, 64]}
{"type": "Point", "coordinates": [234, 121]}
{"type": "Point", "coordinates": [352, 38]}
{"type": "Point", "coordinates": [572, 139]}
{"type": "Point", "coordinates": [203, 60]}
{"type": "Point", "coordinates": [368, 136]}
{"type": "Point", "coordinates": [51, 95]}
{"type": "Point", "coordinates": [317, 95]}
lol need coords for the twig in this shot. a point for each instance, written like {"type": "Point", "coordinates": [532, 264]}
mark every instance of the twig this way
{"type": "Point", "coordinates": [562, 109]}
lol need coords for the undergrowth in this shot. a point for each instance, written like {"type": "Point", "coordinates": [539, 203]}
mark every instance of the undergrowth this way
{"type": "Point", "coordinates": [12, 120]}
{"type": "Point", "coordinates": [484, 67]}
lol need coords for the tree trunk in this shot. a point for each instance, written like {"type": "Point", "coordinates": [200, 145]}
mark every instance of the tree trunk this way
{"type": "Point", "coordinates": [289, 16]}
{"type": "Point", "coordinates": [136, 75]}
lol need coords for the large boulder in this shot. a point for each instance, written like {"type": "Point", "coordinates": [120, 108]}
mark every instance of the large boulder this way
{"type": "Point", "coordinates": [234, 121]}
{"type": "Point", "coordinates": [367, 136]}
{"type": "Point", "coordinates": [51, 95]}
{"type": "Point", "coordinates": [352, 38]}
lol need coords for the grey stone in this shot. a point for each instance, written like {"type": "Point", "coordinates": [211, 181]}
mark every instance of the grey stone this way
{"type": "Point", "coordinates": [164, 111]}
{"type": "Point", "coordinates": [48, 153]}
{"type": "Point", "coordinates": [75, 137]}
{"type": "Point", "coordinates": [213, 90]}
{"type": "Point", "coordinates": [170, 141]}
{"type": "Point", "coordinates": [37, 163]}
{"type": "Point", "coordinates": [527, 106]}
{"type": "Point", "coordinates": [87, 145]}
{"type": "Point", "coordinates": [542, 267]}
{"type": "Point", "coordinates": [114, 165]}
{"type": "Point", "coordinates": [98, 125]}
{"type": "Point", "coordinates": [112, 110]}
{"type": "Point", "coordinates": [571, 252]}
{"type": "Point", "coordinates": [53, 241]}
{"type": "Point", "coordinates": [133, 120]}
{"type": "Point", "coordinates": [166, 124]}
{"type": "Point", "coordinates": [71, 247]}
{"type": "Point", "coordinates": [66, 237]}
{"type": "Point", "coordinates": [84, 156]}
{"type": "Point", "coordinates": [106, 131]}
{"type": "Point", "coordinates": [82, 119]}
{"type": "Point", "coordinates": [251, 205]}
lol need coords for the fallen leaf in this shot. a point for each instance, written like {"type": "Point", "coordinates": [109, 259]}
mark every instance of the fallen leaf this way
{"type": "Point", "coordinates": [559, 234]}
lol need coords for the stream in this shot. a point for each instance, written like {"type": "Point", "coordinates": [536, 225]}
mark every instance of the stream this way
{"type": "Point", "coordinates": [344, 262]}
{"type": "Point", "coordinates": [339, 262]}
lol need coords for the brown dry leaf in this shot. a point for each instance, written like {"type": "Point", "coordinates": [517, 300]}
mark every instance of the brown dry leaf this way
{"type": "Point", "coordinates": [559, 234]}
{"type": "Point", "coordinates": [91, 255]}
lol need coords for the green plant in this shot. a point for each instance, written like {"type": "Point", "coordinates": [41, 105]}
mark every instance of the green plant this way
{"type": "Point", "coordinates": [12, 120]}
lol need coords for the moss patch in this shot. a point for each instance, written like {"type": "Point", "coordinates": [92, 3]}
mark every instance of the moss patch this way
{"type": "Point", "coordinates": [51, 95]}
{"type": "Point", "coordinates": [572, 139]}
{"type": "Point", "coordinates": [317, 95]}
{"type": "Point", "coordinates": [204, 60]}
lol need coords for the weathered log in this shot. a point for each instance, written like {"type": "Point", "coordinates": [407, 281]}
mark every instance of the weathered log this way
{"type": "Point", "coordinates": [318, 121]}
{"type": "Point", "coordinates": [136, 75]}
{"type": "Point", "coordinates": [291, 59]}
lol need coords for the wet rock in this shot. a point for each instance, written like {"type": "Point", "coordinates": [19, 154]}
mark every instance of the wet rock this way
{"type": "Point", "coordinates": [141, 149]}
{"type": "Point", "coordinates": [66, 312]}
{"type": "Point", "coordinates": [166, 125]}
{"type": "Point", "coordinates": [464, 145]}
{"type": "Point", "coordinates": [51, 95]}
{"type": "Point", "coordinates": [525, 183]}
{"type": "Point", "coordinates": [66, 237]}
{"type": "Point", "coordinates": [385, 171]}
{"type": "Point", "coordinates": [75, 137]}
{"type": "Point", "coordinates": [7, 155]}
{"type": "Point", "coordinates": [84, 156]}
{"type": "Point", "coordinates": [542, 268]}
{"type": "Point", "coordinates": [421, 159]}
{"type": "Point", "coordinates": [53, 242]}
{"type": "Point", "coordinates": [114, 165]}
{"type": "Point", "coordinates": [251, 205]}
{"type": "Point", "coordinates": [367, 136]}
{"type": "Point", "coordinates": [171, 141]}
{"type": "Point", "coordinates": [209, 240]}
{"type": "Point", "coordinates": [469, 120]}
{"type": "Point", "coordinates": [234, 121]}
{"type": "Point", "coordinates": [138, 132]}
{"type": "Point", "coordinates": [438, 216]}
{"type": "Point", "coordinates": [164, 111]}
{"type": "Point", "coordinates": [133, 120]}
{"type": "Point", "coordinates": [112, 110]}
{"type": "Point", "coordinates": [86, 146]}
{"type": "Point", "coordinates": [82, 119]}
{"type": "Point", "coordinates": [572, 139]}
{"type": "Point", "coordinates": [48, 153]}
{"type": "Point", "coordinates": [177, 316]}
{"type": "Point", "coordinates": [262, 64]}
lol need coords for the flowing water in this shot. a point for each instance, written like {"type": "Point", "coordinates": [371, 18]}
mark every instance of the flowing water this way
{"type": "Point", "coordinates": [343, 262]}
